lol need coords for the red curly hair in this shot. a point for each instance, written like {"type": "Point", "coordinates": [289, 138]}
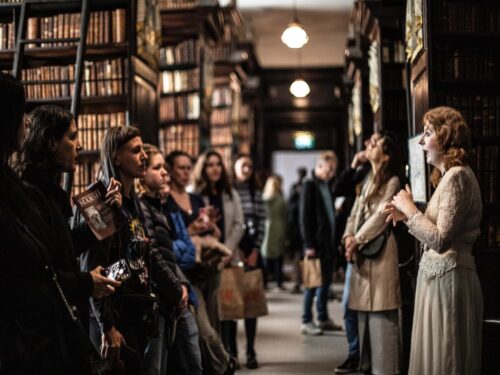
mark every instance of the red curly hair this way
{"type": "Point", "coordinates": [453, 136]}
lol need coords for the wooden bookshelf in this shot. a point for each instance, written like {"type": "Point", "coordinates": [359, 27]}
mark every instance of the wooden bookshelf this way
{"type": "Point", "coordinates": [116, 81]}
{"type": "Point", "coordinates": [189, 33]}
{"type": "Point", "coordinates": [458, 67]}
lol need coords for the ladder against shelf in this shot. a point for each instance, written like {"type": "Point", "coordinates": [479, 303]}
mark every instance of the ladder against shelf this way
{"type": "Point", "coordinates": [117, 86]}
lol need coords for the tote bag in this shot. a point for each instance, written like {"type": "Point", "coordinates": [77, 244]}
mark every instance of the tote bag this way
{"type": "Point", "coordinates": [231, 300]}
{"type": "Point", "coordinates": [311, 272]}
{"type": "Point", "coordinates": [254, 295]}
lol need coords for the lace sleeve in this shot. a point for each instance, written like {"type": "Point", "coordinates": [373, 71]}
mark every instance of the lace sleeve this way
{"type": "Point", "coordinates": [452, 208]}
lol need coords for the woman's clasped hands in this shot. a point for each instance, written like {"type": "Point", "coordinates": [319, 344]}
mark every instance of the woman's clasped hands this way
{"type": "Point", "coordinates": [401, 207]}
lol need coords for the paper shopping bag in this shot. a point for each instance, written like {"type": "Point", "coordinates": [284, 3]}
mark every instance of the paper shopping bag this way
{"type": "Point", "coordinates": [231, 300]}
{"type": "Point", "coordinates": [311, 272]}
{"type": "Point", "coordinates": [254, 294]}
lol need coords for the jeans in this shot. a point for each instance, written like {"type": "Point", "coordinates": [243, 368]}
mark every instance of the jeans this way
{"type": "Point", "coordinates": [186, 348]}
{"type": "Point", "coordinates": [155, 360]}
{"type": "Point", "coordinates": [350, 316]}
{"type": "Point", "coordinates": [321, 294]}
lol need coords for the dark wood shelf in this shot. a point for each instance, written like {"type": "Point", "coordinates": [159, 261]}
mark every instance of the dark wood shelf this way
{"type": "Point", "coordinates": [7, 56]}
{"type": "Point", "coordinates": [70, 6]}
{"type": "Point", "coordinates": [88, 156]}
{"type": "Point", "coordinates": [88, 103]}
{"type": "Point", "coordinates": [7, 8]}
{"type": "Point", "coordinates": [393, 65]}
{"type": "Point", "coordinates": [393, 91]}
{"type": "Point", "coordinates": [179, 93]}
{"type": "Point", "coordinates": [186, 66]}
{"type": "Point", "coordinates": [222, 106]}
{"type": "Point", "coordinates": [69, 52]}
{"type": "Point", "coordinates": [184, 121]}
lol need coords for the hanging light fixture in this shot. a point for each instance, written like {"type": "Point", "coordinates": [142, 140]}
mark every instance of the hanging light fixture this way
{"type": "Point", "coordinates": [294, 35]}
{"type": "Point", "coordinates": [299, 88]}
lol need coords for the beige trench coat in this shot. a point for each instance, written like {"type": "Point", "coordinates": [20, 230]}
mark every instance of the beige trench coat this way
{"type": "Point", "coordinates": [374, 285]}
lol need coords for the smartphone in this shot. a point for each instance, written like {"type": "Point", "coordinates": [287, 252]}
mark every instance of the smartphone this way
{"type": "Point", "coordinates": [118, 271]}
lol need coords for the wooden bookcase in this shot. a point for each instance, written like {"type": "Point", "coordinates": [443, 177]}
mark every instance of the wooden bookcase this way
{"type": "Point", "coordinates": [458, 66]}
{"type": "Point", "coordinates": [119, 86]}
{"type": "Point", "coordinates": [189, 33]}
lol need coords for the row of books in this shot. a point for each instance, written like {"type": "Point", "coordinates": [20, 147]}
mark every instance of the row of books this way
{"type": "Point", "coordinates": [393, 51]}
{"type": "Point", "coordinates": [176, 4]}
{"type": "Point", "coordinates": [180, 137]}
{"type": "Point", "coordinates": [488, 172]}
{"type": "Point", "coordinates": [101, 78]}
{"type": "Point", "coordinates": [466, 16]}
{"type": "Point", "coordinates": [226, 153]}
{"type": "Point", "coordinates": [221, 135]}
{"type": "Point", "coordinates": [92, 127]}
{"type": "Point", "coordinates": [468, 66]}
{"type": "Point", "coordinates": [7, 36]}
{"type": "Point", "coordinates": [84, 175]}
{"type": "Point", "coordinates": [222, 96]}
{"type": "Point", "coordinates": [180, 80]}
{"type": "Point", "coordinates": [222, 52]}
{"type": "Point", "coordinates": [220, 116]}
{"type": "Point", "coordinates": [482, 113]}
{"type": "Point", "coordinates": [186, 52]}
{"type": "Point", "coordinates": [180, 107]}
{"type": "Point", "coordinates": [105, 27]}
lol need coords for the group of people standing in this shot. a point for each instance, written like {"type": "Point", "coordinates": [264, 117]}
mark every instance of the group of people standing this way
{"type": "Point", "coordinates": [60, 313]}
{"type": "Point", "coordinates": [446, 336]}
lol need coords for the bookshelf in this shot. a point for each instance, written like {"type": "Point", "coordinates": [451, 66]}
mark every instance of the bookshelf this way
{"type": "Point", "coordinates": [91, 58]}
{"type": "Point", "coordinates": [458, 66]}
{"type": "Point", "coordinates": [190, 30]}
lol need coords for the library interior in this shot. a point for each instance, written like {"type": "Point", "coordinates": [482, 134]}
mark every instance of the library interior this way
{"type": "Point", "coordinates": [270, 159]}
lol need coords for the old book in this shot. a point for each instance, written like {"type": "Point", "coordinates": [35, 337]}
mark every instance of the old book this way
{"type": "Point", "coordinates": [102, 219]}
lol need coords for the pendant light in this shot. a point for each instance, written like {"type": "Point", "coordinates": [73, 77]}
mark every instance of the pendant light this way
{"type": "Point", "coordinates": [299, 88]}
{"type": "Point", "coordinates": [294, 35]}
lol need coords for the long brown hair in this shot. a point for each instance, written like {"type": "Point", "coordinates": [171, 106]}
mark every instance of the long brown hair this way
{"type": "Point", "coordinates": [453, 138]}
{"type": "Point", "coordinates": [390, 168]}
{"type": "Point", "coordinates": [201, 183]}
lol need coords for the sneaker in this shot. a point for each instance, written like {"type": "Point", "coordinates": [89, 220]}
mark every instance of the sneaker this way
{"type": "Point", "coordinates": [310, 329]}
{"type": "Point", "coordinates": [329, 325]}
{"type": "Point", "coordinates": [296, 290]}
{"type": "Point", "coordinates": [350, 365]}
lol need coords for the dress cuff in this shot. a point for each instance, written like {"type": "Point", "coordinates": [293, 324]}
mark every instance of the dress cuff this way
{"type": "Point", "coordinates": [412, 219]}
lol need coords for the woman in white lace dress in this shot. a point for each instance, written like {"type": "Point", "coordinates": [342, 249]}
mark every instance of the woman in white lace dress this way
{"type": "Point", "coordinates": [446, 337]}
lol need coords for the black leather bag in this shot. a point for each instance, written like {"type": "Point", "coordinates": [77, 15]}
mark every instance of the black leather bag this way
{"type": "Point", "coordinates": [372, 249]}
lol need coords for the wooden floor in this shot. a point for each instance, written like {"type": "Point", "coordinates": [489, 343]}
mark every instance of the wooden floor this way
{"type": "Point", "coordinates": [282, 349]}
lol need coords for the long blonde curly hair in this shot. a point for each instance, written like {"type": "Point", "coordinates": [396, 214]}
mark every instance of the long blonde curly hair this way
{"type": "Point", "coordinates": [453, 136]}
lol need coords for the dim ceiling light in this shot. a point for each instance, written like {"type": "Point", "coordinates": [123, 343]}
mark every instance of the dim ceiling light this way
{"type": "Point", "coordinates": [299, 88]}
{"type": "Point", "coordinates": [294, 35]}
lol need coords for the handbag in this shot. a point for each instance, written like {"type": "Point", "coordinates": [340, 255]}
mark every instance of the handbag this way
{"type": "Point", "coordinates": [372, 249]}
{"type": "Point", "coordinates": [74, 338]}
{"type": "Point", "coordinates": [311, 272]}
{"type": "Point", "coordinates": [254, 295]}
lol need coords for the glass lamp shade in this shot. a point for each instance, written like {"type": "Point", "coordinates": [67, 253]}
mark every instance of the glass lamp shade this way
{"type": "Point", "coordinates": [294, 35]}
{"type": "Point", "coordinates": [299, 88]}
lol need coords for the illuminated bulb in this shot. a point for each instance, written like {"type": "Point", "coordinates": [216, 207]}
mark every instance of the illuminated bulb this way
{"type": "Point", "coordinates": [294, 36]}
{"type": "Point", "coordinates": [299, 88]}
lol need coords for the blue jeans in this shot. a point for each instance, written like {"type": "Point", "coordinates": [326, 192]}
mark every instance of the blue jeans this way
{"type": "Point", "coordinates": [321, 294]}
{"type": "Point", "coordinates": [186, 346]}
{"type": "Point", "coordinates": [350, 316]}
{"type": "Point", "coordinates": [155, 359]}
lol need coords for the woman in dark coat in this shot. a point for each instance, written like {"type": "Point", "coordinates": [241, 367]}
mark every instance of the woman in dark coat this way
{"type": "Point", "coordinates": [33, 320]}
{"type": "Point", "coordinates": [50, 148]}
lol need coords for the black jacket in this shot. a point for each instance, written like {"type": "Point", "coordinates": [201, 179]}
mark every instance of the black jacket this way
{"type": "Point", "coordinates": [317, 231]}
{"type": "Point", "coordinates": [33, 320]}
{"type": "Point", "coordinates": [77, 285]}
{"type": "Point", "coordinates": [124, 306]}
{"type": "Point", "coordinates": [166, 275]}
